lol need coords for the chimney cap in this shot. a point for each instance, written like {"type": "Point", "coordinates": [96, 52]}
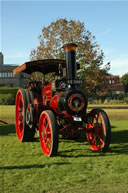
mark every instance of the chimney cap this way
{"type": "Point", "coordinates": [70, 47]}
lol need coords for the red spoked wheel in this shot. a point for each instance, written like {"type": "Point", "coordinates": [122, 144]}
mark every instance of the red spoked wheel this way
{"type": "Point", "coordinates": [22, 129]}
{"type": "Point", "coordinates": [98, 130]}
{"type": "Point", "coordinates": [48, 133]}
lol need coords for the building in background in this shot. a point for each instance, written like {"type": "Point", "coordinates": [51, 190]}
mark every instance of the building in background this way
{"type": "Point", "coordinates": [6, 75]}
{"type": "Point", "coordinates": [115, 87]}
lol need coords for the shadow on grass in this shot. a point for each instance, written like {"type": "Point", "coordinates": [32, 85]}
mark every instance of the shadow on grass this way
{"type": "Point", "coordinates": [119, 137]}
{"type": "Point", "coordinates": [77, 153]}
{"type": "Point", "coordinates": [118, 145]}
{"type": "Point", "coordinates": [119, 141]}
{"type": "Point", "coordinates": [10, 129]}
{"type": "Point", "coordinates": [32, 166]}
{"type": "Point", "coordinates": [113, 127]}
{"type": "Point", "coordinates": [7, 129]}
{"type": "Point", "coordinates": [36, 139]}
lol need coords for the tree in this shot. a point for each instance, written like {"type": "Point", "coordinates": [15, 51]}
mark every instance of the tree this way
{"type": "Point", "coordinates": [89, 54]}
{"type": "Point", "coordinates": [124, 81]}
{"type": "Point", "coordinates": [95, 82]}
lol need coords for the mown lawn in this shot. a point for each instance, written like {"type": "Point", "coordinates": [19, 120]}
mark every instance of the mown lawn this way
{"type": "Point", "coordinates": [115, 112]}
{"type": "Point", "coordinates": [7, 113]}
{"type": "Point", "coordinates": [76, 169]}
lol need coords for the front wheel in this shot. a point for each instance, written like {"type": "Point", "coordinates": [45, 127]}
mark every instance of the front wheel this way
{"type": "Point", "coordinates": [48, 133]}
{"type": "Point", "coordinates": [98, 130]}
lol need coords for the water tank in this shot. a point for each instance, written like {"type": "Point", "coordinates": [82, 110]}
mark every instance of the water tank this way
{"type": "Point", "coordinates": [1, 58]}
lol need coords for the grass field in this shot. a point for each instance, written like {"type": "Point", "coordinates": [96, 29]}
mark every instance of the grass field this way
{"type": "Point", "coordinates": [115, 112]}
{"type": "Point", "coordinates": [7, 113]}
{"type": "Point", "coordinates": [76, 169]}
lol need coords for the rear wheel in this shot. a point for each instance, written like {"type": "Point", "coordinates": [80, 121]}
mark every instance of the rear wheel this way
{"type": "Point", "coordinates": [48, 133]}
{"type": "Point", "coordinates": [98, 130]}
{"type": "Point", "coordinates": [30, 113]}
{"type": "Point", "coordinates": [23, 131]}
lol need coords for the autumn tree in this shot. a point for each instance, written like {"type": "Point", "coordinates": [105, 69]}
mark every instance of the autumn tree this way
{"type": "Point", "coordinates": [89, 54]}
{"type": "Point", "coordinates": [124, 81]}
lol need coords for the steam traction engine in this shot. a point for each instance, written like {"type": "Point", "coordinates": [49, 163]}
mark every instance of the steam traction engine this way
{"type": "Point", "coordinates": [58, 107]}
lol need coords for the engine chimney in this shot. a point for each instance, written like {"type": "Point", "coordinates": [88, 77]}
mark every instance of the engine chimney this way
{"type": "Point", "coordinates": [70, 53]}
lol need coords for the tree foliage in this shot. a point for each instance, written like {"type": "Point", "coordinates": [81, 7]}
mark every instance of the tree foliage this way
{"type": "Point", "coordinates": [124, 81]}
{"type": "Point", "coordinates": [95, 82]}
{"type": "Point", "coordinates": [89, 54]}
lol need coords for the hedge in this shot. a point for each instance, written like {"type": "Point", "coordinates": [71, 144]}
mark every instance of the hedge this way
{"type": "Point", "coordinates": [8, 95]}
{"type": "Point", "coordinates": [108, 101]}
{"type": "Point", "coordinates": [8, 90]}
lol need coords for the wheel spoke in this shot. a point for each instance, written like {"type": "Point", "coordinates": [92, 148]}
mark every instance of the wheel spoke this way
{"type": "Point", "coordinates": [101, 140]}
{"type": "Point", "coordinates": [96, 117]}
{"type": "Point", "coordinates": [47, 126]}
{"type": "Point", "coordinates": [94, 140]}
{"type": "Point", "coordinates": [49, 140]}
{"type": "Point", "coordinates": [45, 123]}
{"type": "Point", "coordinates": [48, 146]}
{"type": "Point", "coordinates": [48, 132]}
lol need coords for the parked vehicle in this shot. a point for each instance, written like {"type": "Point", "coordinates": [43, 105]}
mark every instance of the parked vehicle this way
{"type": "Point", "coordinates": [58, 107]}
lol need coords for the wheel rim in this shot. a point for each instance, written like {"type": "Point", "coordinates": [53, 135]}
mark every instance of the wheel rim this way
{"type": "Point", "coordinates": [19, 116]}
{"type": "Point", "coordinates": [45, 134]}
{"type": "Point", "coordinates": [96, 132]}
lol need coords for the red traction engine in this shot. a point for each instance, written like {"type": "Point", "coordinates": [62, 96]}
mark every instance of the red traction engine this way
{"type": "Point", "coordinates": [58, 107]}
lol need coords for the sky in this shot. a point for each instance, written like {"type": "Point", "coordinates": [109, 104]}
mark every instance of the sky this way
{"type": "Point", "coordinates": [21, 23]}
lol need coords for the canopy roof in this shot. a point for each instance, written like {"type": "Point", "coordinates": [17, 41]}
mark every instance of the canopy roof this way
{"type": "Point", "coordinates": [44, 66]}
